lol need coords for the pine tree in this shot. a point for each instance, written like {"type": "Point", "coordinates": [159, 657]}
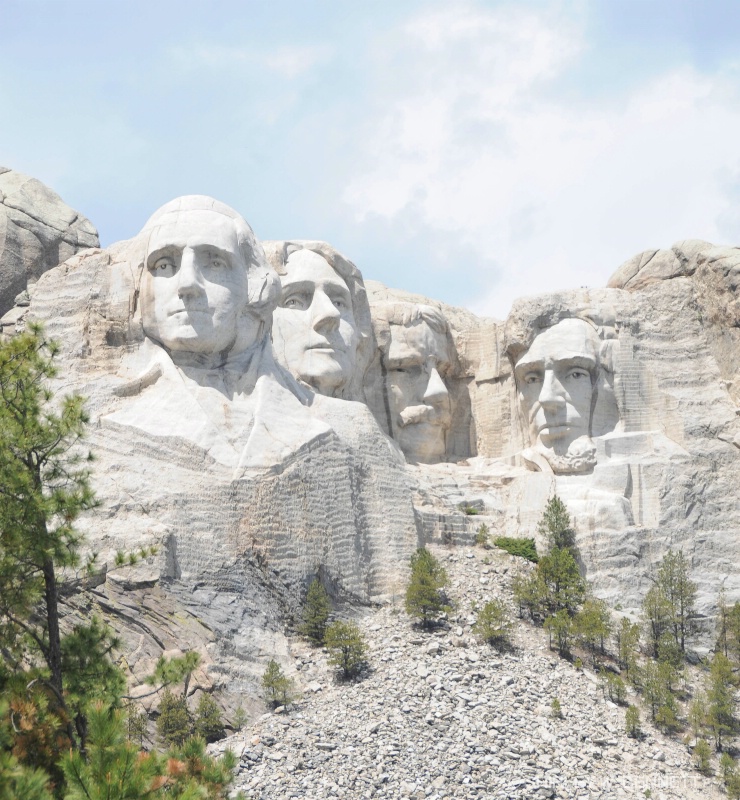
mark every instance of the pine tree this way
{"type": "Point", "coordinates": [560, 628]}
{"type": "Point", "coordinates": [555, 526]}
{"type": "Point", "coordinates": [656, 613]}
{"type": "Point", "coordinates": [702, 757]}
{"type": "Point", "coordinates": [721, 698]}
{"type": "Point", "coordinates": [174, 723]}
{"type": "Point", "coordinates": [347, 647]}
{"type": "Point", "coordinates": [276, 685]}
{"type": "Point", "coordinates": [680, 594]}
{"type": "Point", "coordinates": [44, 487]}
{"type": "Point", "coordinates": [565, 589]}
{"type": "Point", "coordinates": [632, 722]}
{"type": "Point", "coordinates": [315, 613]}
{"type": "Point", "coordinates": [494, 624]}
{"type": "Point", "coordinates": [207, 722]}
{"type": "Point", "coordinates": [593, 625]}
{"type": "Point", "coordinates": [424, 599]}
{"type": "Point", "coordinates": [628, 639]}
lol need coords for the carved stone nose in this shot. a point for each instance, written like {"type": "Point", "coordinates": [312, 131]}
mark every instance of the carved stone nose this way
{"type": "Point", "coordinates": [189, 280]}
{"type": "Point", "coordinates": [552, 392]}
{"type": "Point", "coordinates": [436, 390]}
{"type": "Point", "coordinates": [326, 315]}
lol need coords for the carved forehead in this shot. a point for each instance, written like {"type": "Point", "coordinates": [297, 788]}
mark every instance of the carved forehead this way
{"type": "Point", "coordinates": [305, 266]}
{"type": "Point", "coordinates": [570, 339]}
{"type": "Point", "coordinates": [194, 229]}
{"type": "Point", "coordinates": [417, 342]}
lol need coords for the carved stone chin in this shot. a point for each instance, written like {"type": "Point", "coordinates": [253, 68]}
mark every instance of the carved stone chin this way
{"type": "Point", "coordinates": [579, 460]}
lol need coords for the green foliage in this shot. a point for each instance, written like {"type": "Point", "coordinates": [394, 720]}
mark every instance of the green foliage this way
{"type": "Point", "coordinates": [494, 624]}
{"type": "Point", "coordinates": [560, 628]}
{"type": "Point", "coordinates": [277, 686]}
{"type": "Point", "coordinates": [563, 585]}
{"type": "Point", "coordinates": [16, 780]}
{"type": "Point", "coordinates": [347, 647]}
{"type": "Point", "coordinates": [680, 592]}
{"type": "Point", "coordinates": [240, 718]}
{"type": "Point", "coordinates": [555, 525]}
{"type": "Point", "coordinates": [170, 671]}
{"type": "Point", "coordinates": [115, 769]}
{"type": "Point", "coordinates": [136, 725]}
{"type": "Point", "coordinates": [730, 776]}
{"type": "Point", "coordinates": [556, 709]}
{"type": "Point", "coordinates": [593, 625]}
{"type": "Point", "coordinates": [208, 724]}
{"type": "Point", "coordinates": [529, 593]}
{"type": "Point", "coordinates": [44, 487]}
{"type": "Point", "coordinates": [632, 722]}
{"type": "Point", "coordinates": [656, 613]}
{"type": "Point", "coordinates": [523, 548]}
{"type": "Point", "coordinates": [174, 723]}
{"type": "Point", "coordinates": [481, 536]}
{"type": "Point", "coordinates": [721, 698]}
{"type": "Point", "coordinates": [424, 598]}
{"type": "Point", "coordinates": [315, 613]}
{"type": "Point", "coordinates": [470, 511]}
{"type": "Point", "coordinates": [669, 607]}
{"type": "Point", "coordinates": [614, 687]}
{"type": "Point", "coordinates": [654, 687]}
{"type": "Point", "coordinates": [628, 640]}
{"type": "Point", "coordinates": [703, 757]}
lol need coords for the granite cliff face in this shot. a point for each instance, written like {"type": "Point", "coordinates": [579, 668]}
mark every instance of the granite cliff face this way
{"type": "Point", "coordinates": [37, 232]}
{"type": "Point", "coordinates": [263, 415]}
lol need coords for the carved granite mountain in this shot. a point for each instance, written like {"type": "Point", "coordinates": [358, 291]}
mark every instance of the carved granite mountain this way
{"type": "Point", "coordinates": [255, 458]}
{"type": "Point", "coordinates": [37, 232]}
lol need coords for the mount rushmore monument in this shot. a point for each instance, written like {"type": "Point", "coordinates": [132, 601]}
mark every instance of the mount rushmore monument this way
{"type": "Point", "coordinates": [262, 413]}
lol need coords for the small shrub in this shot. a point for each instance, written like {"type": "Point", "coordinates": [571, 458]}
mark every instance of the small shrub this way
{"type": "Point", "coordinates": [174, 724]}
{"type": "Point", "coordinates": [494, 624]}
{"type": "Point", "coordinates": [578, 663]}
{"type": "Point", "coordinates": [315, 613]}
{"type": "Point", "coordinates": [276, 684]}
{"type": "Point", "coordinates": [481, 537]}
{"type": "Point", "coordinates": [347, 647]}
{"type": "Point", "coordinates": [240, 718]}
{"type": "Point", "coordinates": [523, 548]}
{"type": "Point", "coordinates": [424, 599]}
{"type": "Point", "coordinates": [208, 723]}
{"type": "Point", "coordinates": [556, 709]}
{"type": "Point", "coordinates": [136, 725]}
{"type": "Point", "coordinates": [470, 511]}
{"type": "Point", "coordinates": [632, 722]}
{"type": "Point", "coordinates": [703, 756]}
{"type": "Point", "coordinates": [614, 687]}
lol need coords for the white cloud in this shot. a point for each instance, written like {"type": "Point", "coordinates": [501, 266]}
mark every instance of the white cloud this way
{"type": "Point", "coordinates": [551, 190]}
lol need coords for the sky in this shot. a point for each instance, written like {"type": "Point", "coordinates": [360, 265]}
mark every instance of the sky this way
{"type": "Point", "coordinates": [473, 152]}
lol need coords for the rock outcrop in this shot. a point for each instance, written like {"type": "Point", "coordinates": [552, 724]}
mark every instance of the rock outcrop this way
{"type": "Point", "coordinates": [37, 232]}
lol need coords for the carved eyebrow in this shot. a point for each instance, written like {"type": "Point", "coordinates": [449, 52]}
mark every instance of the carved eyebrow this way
{"type": "Point", "coordinates": [167, 250]}
{"type": "Point", "coordinates": [307, 287]}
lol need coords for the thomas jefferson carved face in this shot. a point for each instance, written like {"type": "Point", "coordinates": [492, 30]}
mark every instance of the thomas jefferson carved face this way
{"type": "Point", "coordinates": [555, 382]}
{"type": "Point", "coordinates": [195, 285]}
{"type": "Point", "coordinates": [314, 331]}
{"type": "Point", "coordinates": [419, 401]}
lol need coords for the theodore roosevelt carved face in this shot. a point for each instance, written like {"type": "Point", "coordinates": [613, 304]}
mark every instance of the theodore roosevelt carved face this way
{"type": "Point", "coordinates": [556, 381]}
{"type": "Point", "coordinates": [314, 329]}
{"type": "Point", "coordinates": [416, 358]}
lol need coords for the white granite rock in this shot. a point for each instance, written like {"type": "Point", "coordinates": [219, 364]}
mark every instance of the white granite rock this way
{"type": "Point", "coordinates": [37, 232]}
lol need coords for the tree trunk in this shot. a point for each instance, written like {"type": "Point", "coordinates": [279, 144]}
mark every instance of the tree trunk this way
{"type": "Point", "coordinates": [54, 656]}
